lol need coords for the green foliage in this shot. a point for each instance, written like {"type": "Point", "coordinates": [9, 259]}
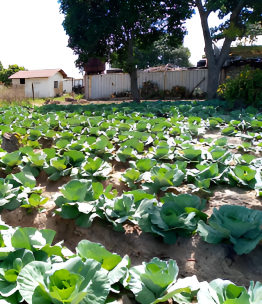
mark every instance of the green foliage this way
{"type": "Point", "coordinates": [242, 14]}
{"type": "Point", "coordinates": [247, 86]}
{"type": "Point", "coordinates": [160, 53]}
{"type": "Point", "coordinates": [73, 281]}
{"type": "Point", "coordinates": [222, 292]}
{"type": "Point", "coordinates": [150, 281]}
{"type": "Point", "coordinates": [178, 216]}
{"type": "Point", "coordinates": [33, 271]}
{"type": "Point", "coordinates": [249, 14]}
{"type": "Point", "coordinates": [116, 266]}
{"type": "Point", "coordinates": [5, 73]}
{"type": "Point", "coordinates": [139, 23]}
{"type": "Point", "coordinates": [163, 178]}
{"type": "Point", "coordinates": [240, 225]}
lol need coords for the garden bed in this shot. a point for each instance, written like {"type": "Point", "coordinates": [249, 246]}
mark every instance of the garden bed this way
{"type": "Point", "coordinates": [109, 172]}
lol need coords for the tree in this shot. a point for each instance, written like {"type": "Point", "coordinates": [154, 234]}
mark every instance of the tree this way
{"type": "Point", "coordinates": [6, 73]}
{"type": "Point", "coordinates": [96, 28]}
{"type": "Point", "coordinates": [235, 16]}
{"type": "Point", "coordinates": [160, 53]}
{"type": "Point", "coordinates": [250, 36]}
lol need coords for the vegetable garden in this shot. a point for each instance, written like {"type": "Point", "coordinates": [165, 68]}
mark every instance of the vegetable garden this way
{"type": "Point", "coordinates": [142, 180]}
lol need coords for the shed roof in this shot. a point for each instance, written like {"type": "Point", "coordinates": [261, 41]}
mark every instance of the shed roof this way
{"type": "Point", "coordinates": [37, 74]}
{"type": "Point", "coordinates": [246, 52]}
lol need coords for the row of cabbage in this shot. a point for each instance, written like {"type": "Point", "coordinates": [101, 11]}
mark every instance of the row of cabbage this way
{"type": "Point", "coordinates": [56, 124]}
{"type": "Point", "coordinates": [199, 167]}
{"type": "Point", "coordinates": [112, 122]}
{"type": "Point", "coordinates": [84, 200]}
{"type": "Point", "coordinates": [34, 271]}
{"type": "Point", "coordinates": [19, 189]}
{"type": "Point", "coordinates": [171, 217]}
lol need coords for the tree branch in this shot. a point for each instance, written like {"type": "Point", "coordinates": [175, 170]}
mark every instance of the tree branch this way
{"type": "Point", "coordinates": [227, 43]}
{"type": "Point", "coordinates": [206, 32]}
{"type": "Point", "coordinates": [237, 10]}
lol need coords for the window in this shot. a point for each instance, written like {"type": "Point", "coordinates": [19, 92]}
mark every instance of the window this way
{"type": "Point", "coordinates": [56, 84]}
{"type": "Point", "coordinates": [22, 80]}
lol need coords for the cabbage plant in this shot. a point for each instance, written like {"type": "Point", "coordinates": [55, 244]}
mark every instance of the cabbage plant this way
{"type": "Point", "coordinates": [178, 216]}
{"type": "Point", "coordinates": [7, 193]}
{"type": "Point", "coordinates": [150, 281]}
{"type": "Point", "coordinates": [120, 209]}
{"type": "Point", "coordinates": [95, 169]}
{"type": "Point", "coordinates": [240, 225]}
{"type": "Point", "coordinates": [131, 177]}
{"type": "Point", "coordinates": [222, 292]}
{"type": "Point", "coordinates": [73, 281]}
{"type": "Point", "coordinates": [115, 265]}
{"type": "Point", "coordinates": [162, 178]}
{"type": "Point", "coordinates": [57, 167]}
{"type": "Point", "coordinates": [80, 201]}
{"type": "Point", "coordinates": [255, 292]}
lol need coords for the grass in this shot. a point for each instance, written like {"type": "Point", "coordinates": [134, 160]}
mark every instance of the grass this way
{"type": "Point", "coordinates": [13, 97]}
{"type": "Point", "coordinates": [40, 101]}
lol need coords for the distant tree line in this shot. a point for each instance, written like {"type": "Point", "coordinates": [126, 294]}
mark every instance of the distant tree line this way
{"type": "Point", "coordinates": [6, 73]}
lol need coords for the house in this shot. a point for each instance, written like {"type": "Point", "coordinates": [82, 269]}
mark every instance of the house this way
{"type": "Point", "coordinates": [40, 83]}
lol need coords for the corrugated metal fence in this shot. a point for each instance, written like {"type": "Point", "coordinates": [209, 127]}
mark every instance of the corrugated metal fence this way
{"type": "Point", "coordinates": [103, 86]}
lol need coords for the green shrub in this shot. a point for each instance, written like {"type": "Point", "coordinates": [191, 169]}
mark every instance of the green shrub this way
{"type": "Point", "coordinates": [247, 87]}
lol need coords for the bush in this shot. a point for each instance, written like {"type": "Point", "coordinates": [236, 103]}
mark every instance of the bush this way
{"type": "Point", "coordinates": [178, 91]}
{"type": "Point", "coordinates": [247, 87]}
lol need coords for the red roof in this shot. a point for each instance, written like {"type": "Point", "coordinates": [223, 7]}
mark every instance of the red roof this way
{"type": "Point", "coordinates": [37, 74]}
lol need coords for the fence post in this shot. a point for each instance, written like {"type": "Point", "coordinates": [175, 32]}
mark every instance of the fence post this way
{"type": "Point", "coordinates": [33, 91]}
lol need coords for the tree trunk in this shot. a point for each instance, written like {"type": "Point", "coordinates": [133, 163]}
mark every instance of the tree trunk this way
{"type": "Point", "coordinates": [134, 86]}
{"type": "Point", "coordinates": [213, 80]}
{"type": "Point", "coordinates": [133, 72]}
{"type": "Point", "coordinates": [215, 64]}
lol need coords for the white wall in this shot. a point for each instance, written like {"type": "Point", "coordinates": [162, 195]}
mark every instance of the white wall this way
{"type": "Point", "coordinates": [57, 77]}
{"type": "Point", "coordinates": [16, 82]}
{"type": "Point", "coordinates": [103, 86]}
{"type": "Point", "coordinates": [68, 85]}
{"type": "Point", "coordinates": [43, 87]}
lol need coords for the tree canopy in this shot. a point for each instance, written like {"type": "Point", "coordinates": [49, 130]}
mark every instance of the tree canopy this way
{"type": "Point", "coordinates": [5, 73]}
{"type": "Point", "coordinates": [160, 53]}
{"type": "Point", "coordinates": [236, 16]}
{"type": "Point", "coordinates": [96, 28]}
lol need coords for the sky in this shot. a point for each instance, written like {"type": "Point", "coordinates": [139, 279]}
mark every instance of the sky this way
{"type": "Point", "coordinates": [32, 35]}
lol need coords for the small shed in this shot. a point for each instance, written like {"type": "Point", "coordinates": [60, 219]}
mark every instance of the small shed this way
{"type": "Point", "coordinates": [40, 83]}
